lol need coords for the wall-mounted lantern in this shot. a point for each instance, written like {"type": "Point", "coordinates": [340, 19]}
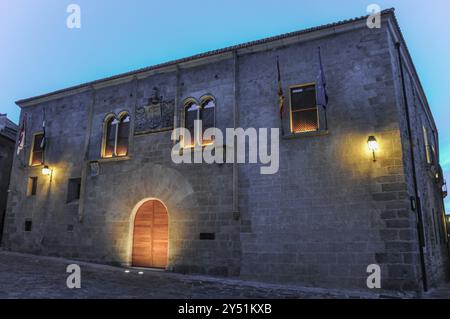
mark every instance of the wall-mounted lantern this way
{"type": "Point", "coordinates": [46, 171]}
{"type": "Point", "coordinates": [373, 146]}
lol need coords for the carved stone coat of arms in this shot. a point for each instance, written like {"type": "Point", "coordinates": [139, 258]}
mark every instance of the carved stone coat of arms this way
{"type": "Point", "coordinates": [156, 116]}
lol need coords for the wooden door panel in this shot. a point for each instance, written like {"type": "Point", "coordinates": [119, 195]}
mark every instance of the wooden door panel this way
{"type": "Point", "coordinates": [151, 235]}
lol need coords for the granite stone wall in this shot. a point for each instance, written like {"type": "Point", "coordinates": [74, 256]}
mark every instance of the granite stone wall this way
{"type": "Point", "coordinates": [6, 159]}
{"type": "Point", "coordinates": [436, 255]}
{"type": "Point", "coordinates": [328, 213]}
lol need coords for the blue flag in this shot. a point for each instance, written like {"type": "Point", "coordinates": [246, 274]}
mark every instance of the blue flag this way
{"type": "Point", "coordinates": [44, 137]}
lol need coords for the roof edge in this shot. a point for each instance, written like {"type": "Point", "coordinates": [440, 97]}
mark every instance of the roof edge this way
{"type": "Point", "coordinates": [90, 85]}
{"type": "Point", "coordinates": [410, 64]}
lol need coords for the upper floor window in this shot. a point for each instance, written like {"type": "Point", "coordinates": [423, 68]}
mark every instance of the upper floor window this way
{"type": "Point", "coordinates": [430, 151]}
{"type": "Point", "coordinates": [116, 135]}
{"type": "Point", "coordinates": [123, 133]}
{"type": "Point", "coordinates": [207, 116]}
{"type": "Point", "coordinates": [37, 151]}
{"type": "Point", "coordinates": [204, 111]}
{"type": "Point", "coordinates": [304, 110]}
{"type": "Point", "coordinates": [191, 114]}
{"type": "Point", "coordinates": [109, 138]}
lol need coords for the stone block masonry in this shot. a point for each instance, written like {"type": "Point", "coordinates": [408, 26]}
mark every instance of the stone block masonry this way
{"type": "Point", "coordinates": [328, 213]}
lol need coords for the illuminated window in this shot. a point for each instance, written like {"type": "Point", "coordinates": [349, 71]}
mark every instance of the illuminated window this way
{"type": "Point", "coordinates": [430, 150]}
{"type": "Point", "coordinates": [427, 146]}
{"type": "Point", "coordinates": [109, 138]}
{"type": "Point", "coordinates": [37, 152]}
{"type": "Point", "coordinates": [207, 116]}
{"type": "Point", "coordinates": [191, 114]}
{"type": "Point", "coordinates": [204, 111]}
{"type": "Point", "coordinates": [123, 133]}
{"type": "Point", "coordinates": [304, 113]}
{"type": "Point", "coordinates": [116, 136]}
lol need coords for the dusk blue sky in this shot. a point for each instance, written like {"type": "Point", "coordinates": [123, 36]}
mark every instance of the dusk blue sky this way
{"type": "Point", "coordinates": [39, 54]}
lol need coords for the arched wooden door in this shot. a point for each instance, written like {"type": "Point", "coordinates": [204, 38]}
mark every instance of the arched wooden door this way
{"type": "Point", "coordinates": [151, 235]}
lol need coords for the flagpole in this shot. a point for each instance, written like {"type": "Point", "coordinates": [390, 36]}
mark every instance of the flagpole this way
{"type": "Point", "coordinates": [44, 137]}
{"type": "Point", "coordinates": [280, 97]}
{"type": "Point", "coordinates": [321, 90]}
{"type": "Point", "coordinates": [21, 140]}
{"type": "Point", "coordinates": [24, 156]}
{"type": "Point", "coordinates": [324, 107]}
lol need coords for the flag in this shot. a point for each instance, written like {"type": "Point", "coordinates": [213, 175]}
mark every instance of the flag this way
{"type": "Point", "coordinates": [21, 144]}
{"type": "Point", "coordinates": [280, 91]}
{"type": "Point", "coordinates": [44, 141]}
{"type": "Point", "coordinates": [321, 91]}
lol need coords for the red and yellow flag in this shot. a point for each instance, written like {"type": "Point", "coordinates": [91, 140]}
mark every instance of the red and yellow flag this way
{"type": "Point", "coordinates": [280, 91]}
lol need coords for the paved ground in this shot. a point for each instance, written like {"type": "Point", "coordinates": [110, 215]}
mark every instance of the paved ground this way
{"type": "Point", "coordinates": [27, 276]}
{"type": "Point", "coordinates": [442, 292]}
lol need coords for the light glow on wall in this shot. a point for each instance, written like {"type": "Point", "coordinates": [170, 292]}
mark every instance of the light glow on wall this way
{"type": "Point", "coordinates": [46, 170]}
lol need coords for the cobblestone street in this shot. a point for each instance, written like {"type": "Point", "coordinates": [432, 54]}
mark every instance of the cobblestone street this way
{"type": "Point", "coordinates": [27, 276]}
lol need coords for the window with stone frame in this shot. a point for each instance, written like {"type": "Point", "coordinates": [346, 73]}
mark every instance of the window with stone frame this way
{"type": "Point", "coordinates": [123, 135]}
{"type": "Point", "coordinates": [109, 138]}
{"type": "Point", "coordinates": [193, 111]}
{"type": "Point", "coordinates": [207, 115]}
{"type": "Point", "coordinates": [426, 145]}
{"type": "Point", "coordinates": [37, 152]}
{"type": "Point", "coordinates": [429, 148]}
{"type": "Point", "coordinates": [303, 109]}
{"type": "Point", "coordinates": [191, 114]}
{"type": "Point", "coordinates": [116, 136]}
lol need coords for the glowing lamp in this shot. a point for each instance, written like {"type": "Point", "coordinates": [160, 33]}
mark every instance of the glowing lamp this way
{"type": "Point", "coordinates": [46, 170]}
{"type": "Point", "coordinates": [373, 146]}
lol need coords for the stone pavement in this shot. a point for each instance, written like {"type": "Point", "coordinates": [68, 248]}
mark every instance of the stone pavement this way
{"type": "Point", "coordinates": [29, 276]}
{"type": "Point", "coordinates": [442, 292]}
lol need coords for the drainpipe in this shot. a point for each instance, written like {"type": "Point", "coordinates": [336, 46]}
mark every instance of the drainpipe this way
{"type": "Point", "coordinates": [177, 97]}
{"type": "Point", "coordinates": [86, 157]}
{"type": "Point", "coordinates": [413, 162]}
{"type": "Point", "coordinates": [2, 224]}
{"type": "Point", "coordinates": [236, 213]}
